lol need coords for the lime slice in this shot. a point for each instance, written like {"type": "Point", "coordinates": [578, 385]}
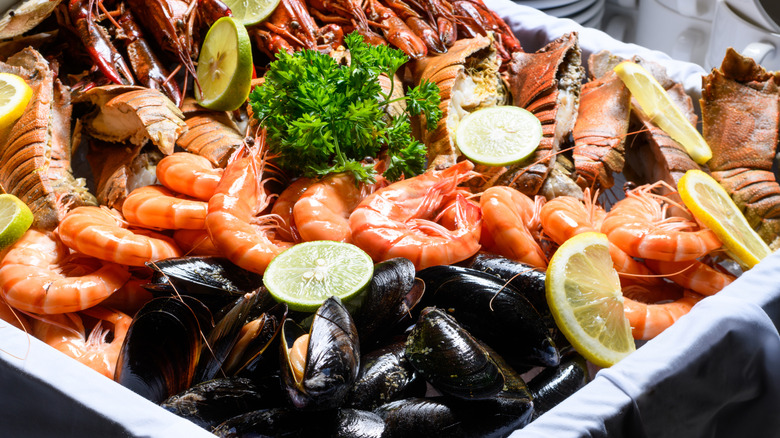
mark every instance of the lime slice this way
{"type": "Point", "coordinates": [713, 207]}
{"type": "Point", "coordinates": [15, 219]}
{"type": "Point", "coordinates": [14, 96]}
{"type": "Point", "coordinates": [224, 66]}
{"type": "Point", "coordinates": [498, 135]}
{"type": "Point", "coordinates": [251, 12]}
{"type": "Point", "coordinates": [306, 274]}
{"type": "Point", "coordinates": [583, 292]}
{"type": "Point", "coordinates": [657, 105]}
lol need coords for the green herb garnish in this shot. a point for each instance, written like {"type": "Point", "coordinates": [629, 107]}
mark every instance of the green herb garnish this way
{"type": "Point", "coordinates": [325, 118]}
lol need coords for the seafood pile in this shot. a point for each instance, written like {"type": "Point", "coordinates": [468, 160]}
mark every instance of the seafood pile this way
{"type": "Point", "coordinates": [153, 214]}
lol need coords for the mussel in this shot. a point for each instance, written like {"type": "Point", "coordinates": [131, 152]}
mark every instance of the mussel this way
{"type": "Point", "coordinates": [287, 422]}
{"type": "Point", "coordinates": [450, 359]}
{"type": "Point", "coordinates": [322, 377]}
{"type": "Point", "coordinates": [553, 385]}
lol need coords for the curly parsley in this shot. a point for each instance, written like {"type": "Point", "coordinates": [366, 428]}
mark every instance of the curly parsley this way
{"type": "Point", "coordinates": [325, 118]}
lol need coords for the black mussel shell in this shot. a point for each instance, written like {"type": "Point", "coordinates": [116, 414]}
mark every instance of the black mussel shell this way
{"type": "Point", "coordinates": [293, 423]}
{"type": "Point", "coordinates": [385, 375]}
{"type": "Point", "coordinates": [162, 347]}
{"type": "Point", "coordinates": [332, 360]}
{"type": "Point", "coordinates": [255, 353]}
{"type": "Point", "coordinates": [450, 359]}
{"type": "Point", "coordinates": [492, 311]}
{"type": "Point", "coordinates": [210, 403]}
{"type": "Point", "coordinates": [388, 300]}
{"type": "Point", "coordinates": [554, 385]}
{"type": "Point", "coordinates": [354, 423]}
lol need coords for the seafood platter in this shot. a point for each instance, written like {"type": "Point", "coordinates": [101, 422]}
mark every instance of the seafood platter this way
{"type": "Point", "coordinates": [148, 294]}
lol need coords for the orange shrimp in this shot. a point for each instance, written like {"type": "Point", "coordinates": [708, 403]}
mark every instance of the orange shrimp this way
{"type": "Point", "coordinates": [130, 297]}
{"type": "Point", "coordinates": [639, 225]}
{"type": "Point", "coordinates": [283, 209]}
{"type": "Point", "coordinates": [101, 233]}
{"type": "Point", "coordinates": [232, 220]}
{"type": "Point", "coordinates": [566, 216]}
{"type": "Point", "coordinates": [66, 334]}
{"type": "Point", "coordinates": [693, 275]}
{"type": "Point", "coordinates": [400, 220]}
{"type": "Point", "coordinates": [648, 320]}
{"type": "Point", "coordinates": [506, 214]}
{"type": "Point", "coordinates": [323, 209]}
{"type": "Point", "coordinates": [9, 315]}
{"type": "Point", "coordinates": [39, 275]}
{"type": "Point", "coordinates": [189, 174]}
{"type": "Point", "coordinates": [195, 243]}
{"type": "Point", "coordinates": [157, 207]}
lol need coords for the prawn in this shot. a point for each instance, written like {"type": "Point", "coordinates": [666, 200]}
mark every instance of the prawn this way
{"type": "Point", "coordinates": [399, 220]}
{"type": "Point", "coordinates": [40, 275]}
{"type": "Point", "coordinates": [130, 297]}
{"type": "Point", "coordinates": [640, 226]}
{"type": "Point", "coordinates": [157, 207]}
{"type": "Point", "coordinates": [283, 208]}
{"type": "Point", "coordinates": [323, 209]}
{"type": "Point", "coordinates": [693, 275]}
{"type": "Point", "coordinates": [237, 231]}
{"type": "Point", "coordinates": [66, 334]}
{"type": "Point", "coordinates": [101, 233]}
{"type": "Point", "coordinates": [649, 320]}
{"type": "Point", "coordinates": [506, 215]}
{"type": "Point", "coordinates": [195, 243]}
{"type": "Point", "coordinates": [189, 174]}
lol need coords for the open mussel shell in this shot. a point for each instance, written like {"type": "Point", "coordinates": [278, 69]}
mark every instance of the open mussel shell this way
{"type": "Point", "coordinates": [210, 403]}
{"type": "Point", "coordinates": [492, 311]}
{"type": "Point", "coordinates": [388, 300]}
{"type": "Point", "coordinates": [162, 347]}
{"type": "Point", "coordinates": [332, 358]}
{"type": "Point", "coordinates": [255, 352]}
{"type": "Point", "coordinates": [287, 422]}
{"type": "Point", "coordinates": [450, 359]}
{"type": "Point", "coordinates": [554, 385]}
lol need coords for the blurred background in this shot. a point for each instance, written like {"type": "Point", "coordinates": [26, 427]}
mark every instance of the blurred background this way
{"type": "Point", "coordinates": [697, 31]}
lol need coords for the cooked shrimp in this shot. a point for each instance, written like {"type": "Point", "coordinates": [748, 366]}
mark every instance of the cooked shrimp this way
{"type": "Point", "coordinates": [639, 225]}
{"type": "Point", "coordinates": [159, 208]}
{"type": "Point", "coordinates": [323, 209]}
{"type": "Point", "coordinates": [130, 297]}
{"type": "Point", "coordinates": [15, 318]}
{"type": "Point", "coordinates": [693, 275]}
{"type": "Point", "coordinates": [66, 333]}
{"type": "Point", "coordinates": [101, 233]}
{"type": "Point", "coordinates": [400, 220]}
{"type": "Point", "coordinates": [648, 320]}
{"type": "Point", "coordinates": [506, 214]}
{"type": "Point", "coordinates": [39, 275]}
{"type": "Point", "coordinates": [232, 221]}
{"type": "Point", "coordinates": [283, 209]}
{"type": "Point", "coordinates": [189, 174]}
{"type": "Point", "coordinates": [195, 243]}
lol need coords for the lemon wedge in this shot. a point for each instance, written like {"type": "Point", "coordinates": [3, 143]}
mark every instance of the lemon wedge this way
{"type": "Point", "coordinates": [657, 105]}
{"type": "Point", "coordinates": [584, 295]}
{"type": "Point", "coordinates": [224, 66]}
{"type": "Point", "coordinates": [15, 219]}
{"type": "Point", "coordinates": [712, 206]}
{"type": "Point", "coordinates": [251, 12]}
{"type": "Point", "coordinates": [15, 94]}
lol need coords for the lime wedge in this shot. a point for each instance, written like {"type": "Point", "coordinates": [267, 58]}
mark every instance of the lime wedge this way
{"type": "Point", "coordinates": [251, 12]}
{"type": "Point", "coordinates": [15, 219]}
{"type": "Point", "coordinates": [498, 135]}
{"type": "Point", "coordinates": [224, 66]}
{"type": "Point", "coordinates": [15, 94]}
{"type": "Point", "coordinates": [657, 105]}
{"type": "Point", "coordinates": [307, 274]}
{"type": "Point", "coordinates": [584, 295]}
{"type": "Point", "coordinates": [713, 207]}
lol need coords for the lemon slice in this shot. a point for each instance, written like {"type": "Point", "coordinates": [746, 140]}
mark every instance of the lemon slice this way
{"type": "Point", "coordinates": [584, 295]}
{"type": "Point", "coordinates": [224, 66]}
{"type": "Point", "coordinates": [15, 219]}
{"type": "Point", "coordinates": [498, 135]}
{"type": "Point", "coordinates": [15, 94]}
{"type": "Point", "coordinates": [251, 12]}
{"type": "Point", "coordinates": [713, 207]}
{"type": "Point", "coordinates": [657, 105]}
{"type": "Point", "coordinates": [307, 274]}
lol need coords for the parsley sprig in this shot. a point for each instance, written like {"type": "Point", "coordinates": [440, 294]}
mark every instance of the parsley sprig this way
{"type": "Point", "coordinates": [324, 118]}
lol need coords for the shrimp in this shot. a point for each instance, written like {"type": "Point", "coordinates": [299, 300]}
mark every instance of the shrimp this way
{"type": "Point", "coordinates": [283, 208]}
{"type": "Point", "coordinates": [66, 333]}
{"type": "Point", "coordinates": [12, 317]}
{"type": "Point", "coordinates": [506, 214]}
{"type": "Point", "coordinates": [323, 209]}
{"type": "Point", "coordinates": [400, 220]}
{"type": "Point", "coordinates": [189, 174]}
{"type": "Point", "coordinates": [566, 216]}
{"type": "Point", "coordinates": [195, 243]}
{"type": "Point", "coordinates": [157, 207]}
{"type": "Point", "coordinates": [638, 224]}
{"type": "Point", "coordinates": [101, 233]}
{"type": "Point", "coordinates": [130, 297]}
{"type": "Point", "coordinates": [693, 274]}
{"type": "Point", "coordinates": [648, 320]}
{"type": "Point", "coordinates": [232, 220]}
{"type": "Point", "coordinates": [39, 275]}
